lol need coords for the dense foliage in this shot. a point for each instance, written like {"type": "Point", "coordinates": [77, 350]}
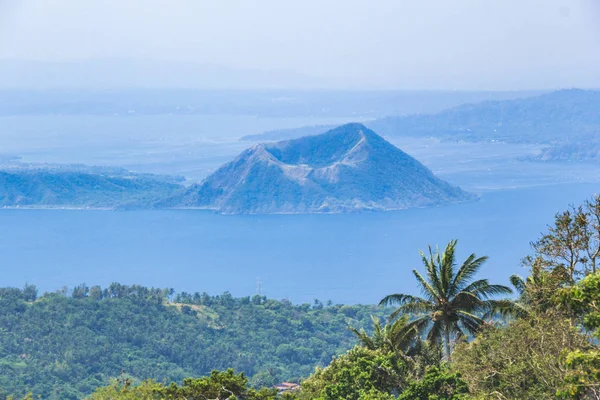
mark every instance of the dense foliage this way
{"type": "Point", "coordinates": [217, 385]}
{"type": "Point", "coordinates": [549, 351]}
{"type": "Point", "coordinates": [583, 365]}
{"type": "Point", "coordinates": [437, 384]}
{"type": "Point", "coordinates": [64, 345]}
{"type": "Point", "coordinates": [360, 374]}
{"type": "Point", "coordinates": [521, 361]}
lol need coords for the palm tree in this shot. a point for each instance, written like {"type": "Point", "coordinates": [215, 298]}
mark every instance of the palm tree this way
{"type": "Point", "coordinates": [535, 292]}
{"type": "Point", "coordinates": [522, 304]}
{"type": "Point", "coordinates": [452, 303]}
{"type": "Point", "coordinates": [402, 339]}
{"type": "Point", "coordinates": [393, 336]}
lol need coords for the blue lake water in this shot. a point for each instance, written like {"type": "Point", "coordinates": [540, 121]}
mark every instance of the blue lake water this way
{"type": "Point", "coordinates": [346, 258]}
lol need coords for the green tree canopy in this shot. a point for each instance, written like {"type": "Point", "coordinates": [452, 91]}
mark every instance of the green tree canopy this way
{"type": "Point", "coordinates": [583, 366]}
{"type": "Point", "coordinates": [62, 346]}
{"type": "Point", "coordinates": [360, 374]}
{"type": "Point", "coordinates": [219, 385]}
{"type": "Point", "coordinates": [570, 249]}
{"type": "Point", "coordinates": [439, 383]}
{"type": "Point", "coordinates": [522, 360]}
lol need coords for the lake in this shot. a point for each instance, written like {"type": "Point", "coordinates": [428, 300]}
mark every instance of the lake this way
{"type": "Point", "coordinates": [354, 258]}
{"type": "Point", "coordinates": [344, 258]}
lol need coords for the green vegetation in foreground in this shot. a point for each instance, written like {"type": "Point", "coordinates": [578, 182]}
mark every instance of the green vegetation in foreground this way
{"type": "Point", "coordinates": [541, 345]}
{"type": "Point", "coordinates": [65, 345]}
{"type": "Point", "coordinates": [456, 342]}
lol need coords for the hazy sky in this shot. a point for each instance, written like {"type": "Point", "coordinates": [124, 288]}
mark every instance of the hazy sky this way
{"type": "Point", "coordinates": [416, 44]}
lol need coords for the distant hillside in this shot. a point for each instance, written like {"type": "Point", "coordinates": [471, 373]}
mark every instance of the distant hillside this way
{"type": "Point", "coordinates": [561, 116]}
{"type": "Point", "coordinates": [287, 134]}
{"type": "Point", "coordinates": [554, 117]}
{"type": "Point", "coordinates": [583, 150]}
{"type": "Point", "coordinates": [347, 169]}
{"type": "Point", "coordinates": [81, 187]}
{"type": "Point", "coordinates": [61, 346]}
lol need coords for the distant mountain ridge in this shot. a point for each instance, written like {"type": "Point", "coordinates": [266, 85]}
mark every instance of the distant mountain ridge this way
{"type": "Point", "coordinates": [349, 168]}
{"type": "Point", "coordinates": [550, 118]}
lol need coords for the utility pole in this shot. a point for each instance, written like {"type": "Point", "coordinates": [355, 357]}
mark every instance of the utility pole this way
{"type": "Point", "coordinates": [258, 286]}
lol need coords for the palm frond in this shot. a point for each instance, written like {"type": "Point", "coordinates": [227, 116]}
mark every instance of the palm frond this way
{"type": "Point", "coordinates": [398, 325]}
{"type": "Point", "coordinates": [429, 291]}
{"type": "Point", "coordinates": [446, 265]}
{"type": "Point", "coordinates": [483, 290]}
{"type": "Point", "coordinates": [471, 322]}
{"type": "Point", "coordinates": [458, 331]}
{"type": "Point", "coordinates": [401, 334]}
{"type": "Point", "coordinates": [436, 332]}
{"type": "Point", "coordinates": [432, 273]}
{"type": "Point", "coordinates": [465, 301]}
{"type": "Point", "coordinates": [487, 291]}
{"type": "Point", "coordinates": [399, 299]}
{"type": "Point", "coordinates": [476, 285]}
{"type": "Point", "coordinates": [420, 324]}
{"type": "Point", "coordinates": [518, 282]}
{"type": "Point", "coordinates": [412, 309]}
{"type": "Point", "coordinates": [504, 308]}
{"type": "Point", "coordinates": [378, 331]}
{"type": "Point", "coordinates": [363, 338]}
{"type": "Point", "coordinates": [467, 272]}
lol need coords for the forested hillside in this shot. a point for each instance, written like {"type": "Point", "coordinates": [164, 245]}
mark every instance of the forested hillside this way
{"type": "Point", "coordinates": [554, 117]}
{"type": "Point", "coordinates": [81, 186]}
{"type": "Point", "coordinates": [64, 345]}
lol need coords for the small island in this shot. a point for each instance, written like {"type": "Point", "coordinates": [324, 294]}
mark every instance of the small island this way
{"type": "Point", "coordinates": [347, 169]}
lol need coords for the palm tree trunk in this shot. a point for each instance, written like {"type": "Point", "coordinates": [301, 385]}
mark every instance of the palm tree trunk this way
{"type": "Point", "coordinates": [447, 342]}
